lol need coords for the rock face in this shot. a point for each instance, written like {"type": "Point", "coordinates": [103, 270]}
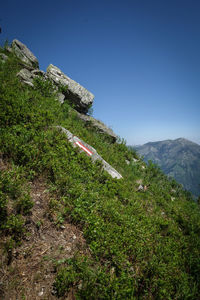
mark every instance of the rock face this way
{"type": "Point", "coordinates": [27, 76]}
{"type": "Point", "coordinates": [77, 94]}
{"type": "Point", "coordinates": [101, 127]}
{"type": "Point", "coordinates": [61, 97]}
{"type": "Point", "coordinates": [76, 142]}
{"type": "Point", "coordinates": [23, 53]}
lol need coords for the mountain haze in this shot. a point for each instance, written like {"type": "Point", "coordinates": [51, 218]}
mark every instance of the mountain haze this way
{"type": "Point", "coordinates": [178, 158]}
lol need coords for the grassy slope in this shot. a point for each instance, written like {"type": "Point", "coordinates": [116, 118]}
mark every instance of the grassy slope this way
{"type": "Point", "coordinates": [140, 244]}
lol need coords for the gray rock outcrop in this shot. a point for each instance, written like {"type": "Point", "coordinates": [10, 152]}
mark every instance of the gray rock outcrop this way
{"type": "Point", "coordinates": [27, 76]}
{"type": "Point", "coordinates": [77, 94]}
{"type": "Point", "coordinates": [60, 97]}
{"type": "Point", "coordinates": [37, 72]}
{"type": "Point", "coordinates": [23, 53]}
{"type": "Point", "coordinates": [76, 142]}
{"type": "Point", "coordinates": [100, 126]}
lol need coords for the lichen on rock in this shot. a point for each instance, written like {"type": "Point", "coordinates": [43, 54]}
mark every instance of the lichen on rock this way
{"type": "Point", "coordinates": [75, 93]}
{"type": "Point", "coordinates": [23, 53]}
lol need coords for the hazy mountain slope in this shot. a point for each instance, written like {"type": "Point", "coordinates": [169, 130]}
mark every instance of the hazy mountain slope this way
{"type": "Point", "coordinates": [178, 158]}
{"type": "Point", "coordinates": [68, 229]}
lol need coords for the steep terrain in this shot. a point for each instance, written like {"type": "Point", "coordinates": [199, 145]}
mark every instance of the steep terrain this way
{"type": "Point", "coordinates": [68, 228]}
{"type": "Point", "coordinates": [178, 158]}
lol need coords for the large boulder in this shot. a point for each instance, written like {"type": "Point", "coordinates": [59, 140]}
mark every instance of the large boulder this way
{"type": "Point", "coordinates": [23, 53]}
{"type": "Point", "coordinates": [89, 150]}
{"type": "Point", "coordinates": [77, 94]}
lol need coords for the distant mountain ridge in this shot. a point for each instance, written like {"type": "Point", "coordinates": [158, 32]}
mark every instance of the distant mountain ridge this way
{"type": "Point", "coordinates": [178, 158]}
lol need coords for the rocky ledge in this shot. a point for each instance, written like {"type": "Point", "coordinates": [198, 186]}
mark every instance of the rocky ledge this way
{"type": "Point", "coordinates": [100, 126]}
{"type": "Point", "coordinates": [23, 53]}
{"type": "Point", "coordinates": [76, 93]}
{"type": "Point", "coordinates": [81, 98]}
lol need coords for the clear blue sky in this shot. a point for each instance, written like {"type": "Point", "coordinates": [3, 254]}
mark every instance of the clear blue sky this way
{"type": "Point", "coordinates": [140, 58]}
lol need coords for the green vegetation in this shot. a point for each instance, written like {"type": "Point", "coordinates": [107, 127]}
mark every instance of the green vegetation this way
{"type": "Point", "coordinates": [141, 244]}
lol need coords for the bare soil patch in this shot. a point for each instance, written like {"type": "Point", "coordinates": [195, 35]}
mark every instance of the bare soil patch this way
{"type": "Point", "coordinates": [31, 273]}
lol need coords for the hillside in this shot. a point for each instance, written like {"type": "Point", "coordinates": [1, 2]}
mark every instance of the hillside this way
{"type": "Point", "coordinates": [178, 158]}
{"type": "Point", "coordinates": [83, 224]}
